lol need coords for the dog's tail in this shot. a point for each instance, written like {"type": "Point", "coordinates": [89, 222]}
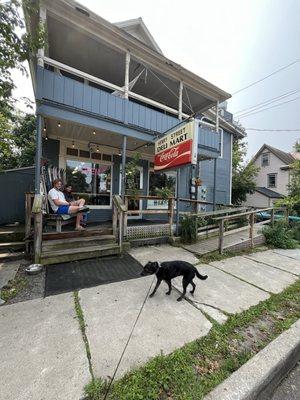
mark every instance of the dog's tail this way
{"type": "Point", "coordinates": [203, 277]}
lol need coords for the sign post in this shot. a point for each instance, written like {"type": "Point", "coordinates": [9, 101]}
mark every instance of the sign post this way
{"type": "Point", "coordinates": [178, 147]}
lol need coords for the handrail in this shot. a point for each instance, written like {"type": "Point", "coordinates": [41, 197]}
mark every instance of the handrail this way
{"type": "Point", "coordinates": [204, 202]}
{"type": "Point", "coordinates": [227, 217]}
{"type": "Point", "coordinates": [145, 197]}
{"type": "Point", "coordinates": [251, 215]}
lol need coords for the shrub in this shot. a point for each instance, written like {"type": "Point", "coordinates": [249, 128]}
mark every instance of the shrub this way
{"type": "Point", "coordinates": [295, 229]}
{"type": "Point", "coordinates": [280, 235]}
{"type": "Point", "coordinates": [189, 229]}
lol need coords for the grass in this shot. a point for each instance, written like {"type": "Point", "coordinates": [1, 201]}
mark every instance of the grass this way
{"type": "Point", "coordinates": [190, 372]}
{"type": "Point", "coordinates": [13, 287]}
{"type": "Point", "coordinates": [216, 256]}
{"type": "Point", "coordinates": [82, 325]}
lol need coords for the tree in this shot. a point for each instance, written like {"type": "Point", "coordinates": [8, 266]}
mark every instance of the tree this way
{"type": "Point", "coordinates": [243, 176]}
{"type": "Point", "coordinates": [17, 141]}
{"type": "Point", "coordinates": [16, 47]}
{"type": "Point", "coordinates": [17, 130]}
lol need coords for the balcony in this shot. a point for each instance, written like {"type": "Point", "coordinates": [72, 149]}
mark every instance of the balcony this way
{"type": "Point", "coordinates": [68, 92]}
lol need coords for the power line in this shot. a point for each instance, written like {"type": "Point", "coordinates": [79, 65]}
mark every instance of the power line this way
{"type": "Point", "coordinates": [268, 76]}
{"type": "Point", "coordinates": [268, 108]}
{"type": "Point", "coordinates": [272, 130]}
{"type": "Point", "coordinates": [266, 102]}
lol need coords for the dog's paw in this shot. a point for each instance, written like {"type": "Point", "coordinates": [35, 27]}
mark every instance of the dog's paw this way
{"type": "Point", "coordinates": [179, 298]}
{"type": "Point", "coordinates": [151, 295]}
{"type": "Point", "coordinates": [192, 293]}
{"type": "Point", "coordinates": [168, 293]}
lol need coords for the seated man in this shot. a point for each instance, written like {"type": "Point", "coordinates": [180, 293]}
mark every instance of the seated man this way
{"type": "Point", "coordinates": [59, 204]}
{"type": "Point", "coordinates": [72, 201]}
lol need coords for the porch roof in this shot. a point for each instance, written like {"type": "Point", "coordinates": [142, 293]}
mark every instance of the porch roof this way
{"type": "Point", "coordinates": [86, 36]}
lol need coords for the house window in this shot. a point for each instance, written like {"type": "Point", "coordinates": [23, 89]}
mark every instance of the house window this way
{"type": "Point", "coordinates": [159, 181]}
{"type": "Point", "coordinates": [265, 159]}
{"type": "Point", "coordinates": [91, 181]}
{"type": "Point", "coordinates": [272, 180]}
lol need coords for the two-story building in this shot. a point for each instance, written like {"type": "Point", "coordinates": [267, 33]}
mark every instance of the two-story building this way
{"type": "Point", "coordinates": [273, 176]}
{"type": "Point", "coordinates": [104, 92]}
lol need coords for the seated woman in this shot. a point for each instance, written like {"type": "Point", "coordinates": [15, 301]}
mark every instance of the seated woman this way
{"type": "Point", "coordinates": [60, 205]}
{"type": "Point", "coordinates": [71, 199]}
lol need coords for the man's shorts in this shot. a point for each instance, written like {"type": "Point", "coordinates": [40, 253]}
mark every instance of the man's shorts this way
{"type": "Point", "coordinates": [63, 209]}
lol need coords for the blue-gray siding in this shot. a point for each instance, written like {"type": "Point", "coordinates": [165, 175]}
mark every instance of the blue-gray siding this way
{"type": "Point", "coordinates": [68, 92]}
{"type": "Point", "coordinates": [12, 202]}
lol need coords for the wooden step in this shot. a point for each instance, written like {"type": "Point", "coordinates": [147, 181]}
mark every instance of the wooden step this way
{"type": "Point", "coordinates": [61, 256]}
{"type": "Point", "coordinates": [7, 246]}
{"type": "Point", "coordinates": [11, 256]}
{"type": "Point", "coordinates": [73, 234]}
{"type": "Point", "coordinates": [77, 242]}
{"type": "Point", "coordinates": [11, 235]}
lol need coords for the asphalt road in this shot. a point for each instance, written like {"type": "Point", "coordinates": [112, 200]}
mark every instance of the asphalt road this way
{"type": "Point", "coordinates": [289, 389]}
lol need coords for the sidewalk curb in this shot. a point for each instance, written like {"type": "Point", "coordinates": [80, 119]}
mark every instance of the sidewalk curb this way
{"type": "Point", "coordinates": [257, 379]}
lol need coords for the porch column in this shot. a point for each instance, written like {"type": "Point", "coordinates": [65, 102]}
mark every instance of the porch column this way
{"type": "Point", "coordinates": [178, 168]}
{"type": "Point", "coordinates": [38, 153]}
{"type": "Point", "coordinates": [41, 51]}
{"type": "Point", "coordinates": [215, 184]}
{"type": "Point", "coordinates": [180, 100]}
{"type": "Point", "coordinates": [123, 177]}
{"type": "Point", "coordinates": [215, 160]}
{"type": "Point", "coordinates": [126, 84]}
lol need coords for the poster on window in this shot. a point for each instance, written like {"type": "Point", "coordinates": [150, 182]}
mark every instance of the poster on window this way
{"type": "Point", "coordinates": [177, 148]}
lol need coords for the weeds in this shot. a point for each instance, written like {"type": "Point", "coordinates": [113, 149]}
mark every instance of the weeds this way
{"type": "Point", "coordinates": [192, 371]}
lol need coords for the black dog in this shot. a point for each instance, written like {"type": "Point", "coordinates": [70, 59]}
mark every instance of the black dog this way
{"type": "Point", "coordinates": [166, 271]}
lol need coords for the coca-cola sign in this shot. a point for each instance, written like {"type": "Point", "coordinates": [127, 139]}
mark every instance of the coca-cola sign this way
{"type": "Point", "coordinates": [178, 147]}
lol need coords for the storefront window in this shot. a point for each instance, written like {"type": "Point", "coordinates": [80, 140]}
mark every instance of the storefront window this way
{"type": "Point", "coordinates": [161, 180]}
{"type": "Point", "coordinates": [91, 181]}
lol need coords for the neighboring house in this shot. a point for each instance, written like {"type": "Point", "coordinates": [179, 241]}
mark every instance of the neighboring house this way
{"type": "Point", "coordinates": [273, 177]}
{"type": "Point", "coordinates": [105, 91]}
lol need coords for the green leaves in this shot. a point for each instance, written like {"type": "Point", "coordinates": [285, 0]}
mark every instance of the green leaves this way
{"type": "Point", "coordinates": [243, 176]}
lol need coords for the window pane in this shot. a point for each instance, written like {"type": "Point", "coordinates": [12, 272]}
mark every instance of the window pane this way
{"type": "Point", "coordinates": [272, 180]}
{"type": "Point", "coordinates": [91, 181]}
{"type": "Point", "coordinates": [161, 180]}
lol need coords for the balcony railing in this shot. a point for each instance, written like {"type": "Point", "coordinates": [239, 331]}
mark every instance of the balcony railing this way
{"type": "Point", "coordinates": [62, 90]}
{"type": "Point", "coordinates": [209, 139]}
{"type": "Point", "coordinates": [68, 92]}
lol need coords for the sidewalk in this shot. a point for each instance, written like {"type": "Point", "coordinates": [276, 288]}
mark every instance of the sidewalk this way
{"type": "Point", "coordinates": [42, 352]}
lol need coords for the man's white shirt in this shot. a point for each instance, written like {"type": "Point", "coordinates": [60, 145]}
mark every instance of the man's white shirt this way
{"type": "Point", "coordinates": [55, 194]}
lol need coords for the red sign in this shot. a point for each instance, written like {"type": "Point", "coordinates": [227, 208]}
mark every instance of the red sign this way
{"type": "Point", "coordinates": [178, 155]}
{"type": "Point", "coordinates": [177, 148]}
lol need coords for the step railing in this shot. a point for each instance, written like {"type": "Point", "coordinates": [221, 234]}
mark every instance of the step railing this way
{"type": "Point", "coordinates": [250, 217]}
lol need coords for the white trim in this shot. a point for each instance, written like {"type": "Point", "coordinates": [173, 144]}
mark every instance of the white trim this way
{"type": "Point", "coordinates": [110, 85]}
{"type": "Point", "coordinates": [126, 83]}
{"type": "Point", "coordinates": [230, 178]}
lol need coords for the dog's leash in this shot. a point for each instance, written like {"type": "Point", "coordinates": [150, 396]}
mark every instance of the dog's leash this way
{"type": "Point", "coordinates": [128, 340]}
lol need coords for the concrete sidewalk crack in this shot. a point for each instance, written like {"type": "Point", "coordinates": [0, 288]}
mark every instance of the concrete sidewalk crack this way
{"type": "Point", "coordinates": [82, 325]}
{"type": "Point", "coordinates": [241, 279]}
{"type": "Point", "coordinates": [273, 266]}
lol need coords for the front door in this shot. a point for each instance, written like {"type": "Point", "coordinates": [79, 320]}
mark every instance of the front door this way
{"type": "Point", "coordinates": [134, 205]}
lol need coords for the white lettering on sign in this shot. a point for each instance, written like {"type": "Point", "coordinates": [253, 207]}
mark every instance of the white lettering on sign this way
{"type": "Point", "coordinates": [175, 137]}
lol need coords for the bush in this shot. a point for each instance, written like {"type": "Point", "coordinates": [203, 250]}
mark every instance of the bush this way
{"type": "Point", "coordinates": [280, 235]}
{"type": "Point", "coordinates": [189, 229]}
{"type": "Point", "coordinates": [295, 229]}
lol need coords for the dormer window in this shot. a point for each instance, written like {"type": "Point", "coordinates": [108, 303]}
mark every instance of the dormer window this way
{"type": "Point", "coordinates": [265, 159]}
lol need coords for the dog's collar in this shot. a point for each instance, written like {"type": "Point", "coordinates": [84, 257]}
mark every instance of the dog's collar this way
{"type": "Point", "coordinates": [159, 266]}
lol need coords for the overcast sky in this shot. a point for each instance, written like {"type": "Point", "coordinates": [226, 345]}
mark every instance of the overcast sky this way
{"type": "Point", "coordinates": [231, 44]}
